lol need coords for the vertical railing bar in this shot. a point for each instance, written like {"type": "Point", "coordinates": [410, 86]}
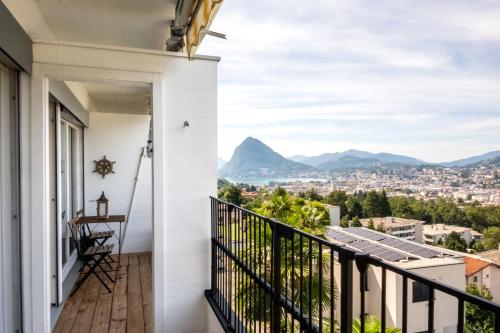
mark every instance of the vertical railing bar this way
{"type": "Point", "coordinates": [383, 303]}
{"type": "Point", "coordinates": [460, 316]}
{"type": "Point", "coordinates": [286, 280]}
{"type": "Point", "coordinates": [276, 279]}
{"type": "Point", "coordinates": [237, 277]}
{"type": "Point", "coordinates": [224, 232]}
{"type": "Point", "coordinates": [255, 286]}
{"type": "Point", "coordinates": [346, 293]}
{"type": "Point", "coordinates": [320, 287]}
{"type": "Point", "coordinates": [405, 304]}
{"type": "Point", "coordinates": [301, 291]}
{"type": "Point", "coordinates": [310, 282]}
{"type": "Point", "coordinates": [430, 314]}
{"type": "Point", "coordinates": [265, 276]}
{"type": "Point", "coordinates": [247, 262]}
{"type": "Point", "coordinates": [260, 274]}
{"type": "Point", "coordinates": [293, 278]}
{"type": "Point", "coordinates": [362, 287]}
{"type": "Point", "coordinates": [332, 290]}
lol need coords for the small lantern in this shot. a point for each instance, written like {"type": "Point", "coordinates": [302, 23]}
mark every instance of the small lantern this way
{"type": "Point", "coordinates": [102, 206]}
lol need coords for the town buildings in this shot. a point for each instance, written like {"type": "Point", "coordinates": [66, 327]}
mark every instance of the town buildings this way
{"type": "Point", "coordinates": [408, 229]}
{"type": "Point", "coordinates": [438, 233]}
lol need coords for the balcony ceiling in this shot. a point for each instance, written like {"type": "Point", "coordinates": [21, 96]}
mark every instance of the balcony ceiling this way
{"type": "Point", "coordinates": [133, 23]}
{"type": "Point", "coordinates": [115, 98]}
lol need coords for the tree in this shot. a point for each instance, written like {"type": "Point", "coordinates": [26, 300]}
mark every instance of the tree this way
{"type": "Point", "coordinates": [455, 242]}
{"type": "Point", "coordinates": [370, 204]}
{"type": "Point", "coordinates": [383, 204]}
{"type": "Point", "coordinates": [231, 193]}
{"type": "Point", "coordinates": [478, 320]}
{"type": "Point", "coordinates": [372, 325]}
{"type": "Point", "coordinates": [491, 238]}
{"type": "Point", "coordinates": [314, 217]}
{"type": "Point", "coordinates": [353, 207]}
{"type": "Point", "coordinates": [279, 206]}
{"type": "Point", "coordinates": [356, 222]}
{"type": "Point", "coordinates": [338, 198]}
{"type": "Point", "coordinates": [380, 227]}
{"type": "Point", "coordinates": [312, 195]}
{"type": "Point", "coordinates": [344, 221]}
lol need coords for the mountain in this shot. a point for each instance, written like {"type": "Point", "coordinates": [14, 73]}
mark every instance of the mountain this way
{"type": "Point", "coordinates": [252, 158]}
{"type": "Point", "coordinates": [359, 159]}
{"type": "Point", "coordinates": [298, 158]}
{"type": "Point", "coordinates": [472, 160]}
{"type": "Point", "coordinates": [352, 162]}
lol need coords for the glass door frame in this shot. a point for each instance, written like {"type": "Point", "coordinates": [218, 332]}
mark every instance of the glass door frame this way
{"type": "Point", "coordinates": [69, 174]}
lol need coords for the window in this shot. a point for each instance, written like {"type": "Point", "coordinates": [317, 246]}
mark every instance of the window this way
{"type": "Point", "coordinates": [420, 292]}
{"type": "Point", "coordinates": [474, 279]}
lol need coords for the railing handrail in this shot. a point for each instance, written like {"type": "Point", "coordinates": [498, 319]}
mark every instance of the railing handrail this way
{"type": "Point", "coordinates": [346, 257]}
{"type": "Point", "coordinates": [490, 305]}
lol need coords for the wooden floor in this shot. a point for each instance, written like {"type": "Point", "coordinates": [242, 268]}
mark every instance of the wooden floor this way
{"type": "Point", "coordinates": [127, 309]}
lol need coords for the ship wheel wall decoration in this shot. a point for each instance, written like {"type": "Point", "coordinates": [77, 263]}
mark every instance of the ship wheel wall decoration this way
{"type": "Point", "coordinates": [104, 166]}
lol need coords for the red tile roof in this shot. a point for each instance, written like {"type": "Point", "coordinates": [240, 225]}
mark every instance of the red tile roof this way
{"type": "Point", "coordinates": [473, 265]}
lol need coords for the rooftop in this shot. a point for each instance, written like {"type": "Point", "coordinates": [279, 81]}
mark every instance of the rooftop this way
{"type": "Point", "coordinates": [474, 265]}
{"type": "Point", "coordinates": [392, 249]}
{"type": "Point", "coordinates": [391, 221]}
{"type": "Point", "coordinates": [493, 256]}
{"type": "Point", "coordinates": [438, 229]}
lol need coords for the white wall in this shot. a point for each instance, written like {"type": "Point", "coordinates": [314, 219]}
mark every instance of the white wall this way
{"type": "Point", "coordinates": [121, 137]}
{"type": "Point", "coordinates": [445, 313]}
{"type": "Point", "coordinates": [190, 169]}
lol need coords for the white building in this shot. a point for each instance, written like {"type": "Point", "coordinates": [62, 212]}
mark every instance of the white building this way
{"type": "Point", "coordinates": [84, 79]}
{"type": "Point", "coordinates": [484, 270]}
{"type": "Point", "coordinates": [432, 263]}
{"type": "Point", "coordinates": [408, 229]}
{"type": "Point", "coordinates": [334, 212]}
{"type": "Point", "coordinates": [433, 233]}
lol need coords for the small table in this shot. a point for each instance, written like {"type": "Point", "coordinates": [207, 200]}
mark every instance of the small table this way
{"type": "Point", "coordinates": [110, 219]}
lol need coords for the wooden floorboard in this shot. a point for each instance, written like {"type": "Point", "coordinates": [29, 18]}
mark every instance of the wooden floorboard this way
{"type": "Point", "coordinates": [128, 308]}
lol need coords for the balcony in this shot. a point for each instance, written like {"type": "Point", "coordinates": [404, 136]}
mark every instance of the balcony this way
{"type": "Point", "coordinates": [128, 308]}
{"type": "Point", "coordinates": [269, 277]}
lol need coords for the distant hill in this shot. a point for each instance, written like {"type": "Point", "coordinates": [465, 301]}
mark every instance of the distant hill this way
{"type": "Point", "coordinates": [492, 163]}
{"type": "Point", "coordinates": [298, 158]}
{"type": "Point", "coordinates": [252, 158]}
{"type": "Point", "coordinates": [472, 160]}
{"type": "Point", "coordinates": [359, 159]}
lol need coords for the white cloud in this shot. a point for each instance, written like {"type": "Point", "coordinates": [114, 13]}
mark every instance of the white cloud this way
{"type": "Point", "coordinates": [332, 74]}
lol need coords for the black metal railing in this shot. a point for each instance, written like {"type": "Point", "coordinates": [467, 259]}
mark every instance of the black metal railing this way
{"type": "Point", "coordinates": [270, 277]}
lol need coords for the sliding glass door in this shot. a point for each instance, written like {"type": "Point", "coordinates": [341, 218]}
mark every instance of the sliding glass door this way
{"type": "Point", "coordinates": [69, 143]}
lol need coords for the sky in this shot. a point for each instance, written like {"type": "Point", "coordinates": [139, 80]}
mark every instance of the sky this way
{"type": "Point", "coordinates": [419, 78]}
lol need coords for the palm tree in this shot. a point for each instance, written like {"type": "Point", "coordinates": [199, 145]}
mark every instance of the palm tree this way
{"type": "Point", "coordinates": [256, 304]}
{"type": "Point", "coordinates": [372, 325]}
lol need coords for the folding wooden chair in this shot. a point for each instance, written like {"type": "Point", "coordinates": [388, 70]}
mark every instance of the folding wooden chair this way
{"type": "Point", "coordinates": [95, 238]}
{"type": "Point", "coordinates": [91, 257]}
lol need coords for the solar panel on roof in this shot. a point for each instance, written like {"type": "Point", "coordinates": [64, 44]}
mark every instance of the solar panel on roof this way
{"type": "Point", "coordinates": [377, 250]}
{"type": "Point", "coordinates": [364, 240]}
{"type": "Point", "coordinates": [365, 233]}
{"type": "Point", "coordinates": [339, 236]}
